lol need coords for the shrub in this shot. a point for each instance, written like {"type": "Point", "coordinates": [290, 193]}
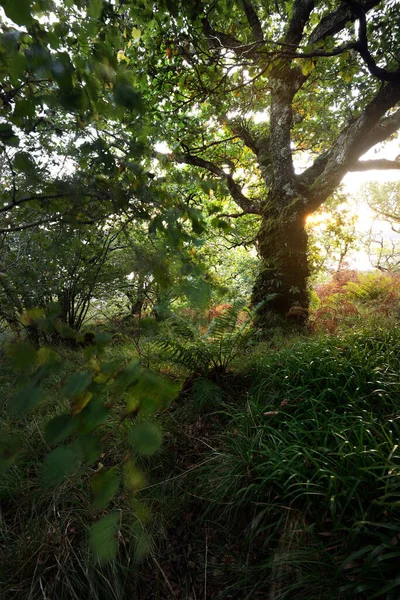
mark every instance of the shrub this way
{"type": "Point", "coordinates": [351, 298]}
{"type": "Point", "coordinates": [211, 350]}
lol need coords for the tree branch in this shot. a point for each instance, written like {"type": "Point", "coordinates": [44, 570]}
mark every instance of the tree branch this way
{"type": "Point", "coordinates": [232, 215]}
{"type": "Point", "coordinates": [218, 39]}
{"type": "Point", "coordinates": [377, 164]}
{"type": "Point", "coordinates": [300, 15]}
{"type": "Point", "coordinates": [15, 203]}
{"type": "Point", "coordinates": [253, 21]}
{"type": "Point", "coordinates": [367, 130]}
{"type": "Point", "coordinates": [336, 20]}
{"type": "Point", "coordinates": [246, 204]}
{"type": "Point", "coordinates": [384, 128]}
{"type": "Point", "coordinates": [244, 134]}
{"type": "Point", "coordinates": [362, 46]}
{"type": "Point", "coordinates": [216, 143]}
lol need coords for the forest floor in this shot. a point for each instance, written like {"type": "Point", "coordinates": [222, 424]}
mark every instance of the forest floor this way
{"type": "Point", "coordinates": [276, 479]}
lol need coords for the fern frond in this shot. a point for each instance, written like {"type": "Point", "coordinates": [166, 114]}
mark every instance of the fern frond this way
{"type": "Point", "coordinates": [206, 392]}
{"type": "Point", "coordinates": [226, 322]}
{"type": "Point", "coordinates": [183, 329]}
{"type": "Point", "coordinates": [216, 348]}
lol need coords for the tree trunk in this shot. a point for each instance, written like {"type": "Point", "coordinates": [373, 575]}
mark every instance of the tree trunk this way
{"type": "Point", "coordinates": [281, 286]}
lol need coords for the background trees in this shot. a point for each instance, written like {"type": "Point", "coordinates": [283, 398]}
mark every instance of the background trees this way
{"type": "Point", "coordinates": [382, 240]}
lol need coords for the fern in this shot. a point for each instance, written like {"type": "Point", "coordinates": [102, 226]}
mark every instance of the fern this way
{"type": "Point", "coordinates": [213, 350]}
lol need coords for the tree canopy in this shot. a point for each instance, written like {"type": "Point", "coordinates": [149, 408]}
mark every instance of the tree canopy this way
{"type": "Point", "coordinates": [264, 107]}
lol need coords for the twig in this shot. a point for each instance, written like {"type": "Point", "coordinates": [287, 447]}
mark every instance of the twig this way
{"type": "Point", "coordinates": [180, 474]}
{"type": "Point", "coordinates": [205, 567]}
{"type": "Point", "coordinates": [159, 567]}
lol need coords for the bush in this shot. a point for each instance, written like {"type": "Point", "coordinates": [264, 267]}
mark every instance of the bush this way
{"type": "Point", "coordinates": [211, 350]}
{"type": "Point", "coordinates": [351, 298]}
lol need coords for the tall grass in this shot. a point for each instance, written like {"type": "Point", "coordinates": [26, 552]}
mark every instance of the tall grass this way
{"type": "Point", "coordinates": [280, 480]}
{"type": "Point", "coordinates": [310, 468]}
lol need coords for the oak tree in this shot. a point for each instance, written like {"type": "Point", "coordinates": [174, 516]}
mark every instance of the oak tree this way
{"type": "Point", "coordinates": [278, 101]}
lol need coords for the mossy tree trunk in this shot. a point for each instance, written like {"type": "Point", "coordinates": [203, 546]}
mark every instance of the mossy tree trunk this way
{"type": "Point", "coordinates": [282, 284]}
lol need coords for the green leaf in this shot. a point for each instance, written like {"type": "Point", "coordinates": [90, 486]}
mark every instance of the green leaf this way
{"type": "Point", "coordinates": [28, 317]}
{"type": "Point", "coordinates": [26, 400]}
{"type": "Point", "coordinates": [24, 163]}
{"type": "Point", "coordinates": [102, 339]}
{"type": "Point", "coordinates": [143, 546]}
{"type": "Point", "coordinates": [9, 40]}
{"type": "Point", "coordinates": [146, 437]}
{"type": "Point", "coordinates": [65, 330]}
{"type": "Point", "coordinates": [47, 356]}
{"type": "Point", "coordinates": [95, 8]}
{"type": "Point", "coordinates": [307, 66]}
{"type": "Point", "coordinates": [136, 33]}
{"type": "Point", "coordinates": [24, 110]}
{"type": "Point", "coordinates": [134, 479]}
{"type": "Point", "coordinates": [18, 11]}
{"type": "Point", "coordinates": [53, 310]}
{"type": "Point", "coordinates": [74, 100]}
{"type": "Point", "coordinates": [17, 66]}
{"type": "Point", "coordinates": [151, 392]}
{"type": "Point", "coordinates": [7, 135]}
{"type": "Point", "coordinates": [10, 447]}
{"type": "Point", "coordinates": [23, 355]}
{"type": "Point", "coordinates": [93, 414]}
{"type": "Point", "coordinates": [125, 95]}
{"type": "Point", "coordinates": [77, 383]}
{"type": "Point", "coordinates": [102, 537]}
{"type": "Point", "coordinates": [105, 485]}
{"type": "Point", "coordinates": [58, 429]}
{"type": "Point", "coordinates": [129, 375]}
{"type": "Point", "coordinates": [60, 463]}
{"type": "Point", "coordinates": [89, 448]}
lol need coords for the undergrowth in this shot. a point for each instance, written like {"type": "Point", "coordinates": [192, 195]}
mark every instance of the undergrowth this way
{"type": "Point", "coordinates": [309, 469]}
{"type": "Point", "coordinates": [277, 480]}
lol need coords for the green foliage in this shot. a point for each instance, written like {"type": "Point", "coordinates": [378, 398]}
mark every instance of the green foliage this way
{"type": "Point", "coordinates": [59, 464]}
{"type": "Point", "coordinates": [214, 349]}
{"type": "Point", "coordinates": [311, 459]}
{"type": "Point", "coordinates": [102, 537]}
{"type": "Point", "coordinates": [79, 436]}
{"type": "Point", "coordinates": [381, 241]}
{"type": "Point", "coordinates": [351, 299]}
{"type": "Point", "coordinates": [146, 438]}
{"type": "Point", "coordinates": [87, 200]}
{"type": "Point", "coordinates": [105, 485]}
{"type": "Point", "coordinates": [332, 231]}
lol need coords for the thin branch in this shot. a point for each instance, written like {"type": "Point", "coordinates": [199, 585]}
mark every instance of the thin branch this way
{"type": "Point", "coordinates": [244, 134]}
{"type": "Point", "coordinates": [246, 204]}
{"type": "Point", "coordinates": [206, 146]}
{"type": "Point", "coordinates": [232, 215]}
{"type": "Point", "coordinates": [376, 164]}
{"type": "Point", "coordinates": [253, 21]}
{"type": "Point", "coordinates": [219, 39]}
{"type": "Point", "coordinates": [362, 46]}
{"type": "Point", "coordinates": [11, 205]}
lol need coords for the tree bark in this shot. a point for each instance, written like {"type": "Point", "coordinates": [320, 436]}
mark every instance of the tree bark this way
{"type": "Point", "coordinates": [281, 288]}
